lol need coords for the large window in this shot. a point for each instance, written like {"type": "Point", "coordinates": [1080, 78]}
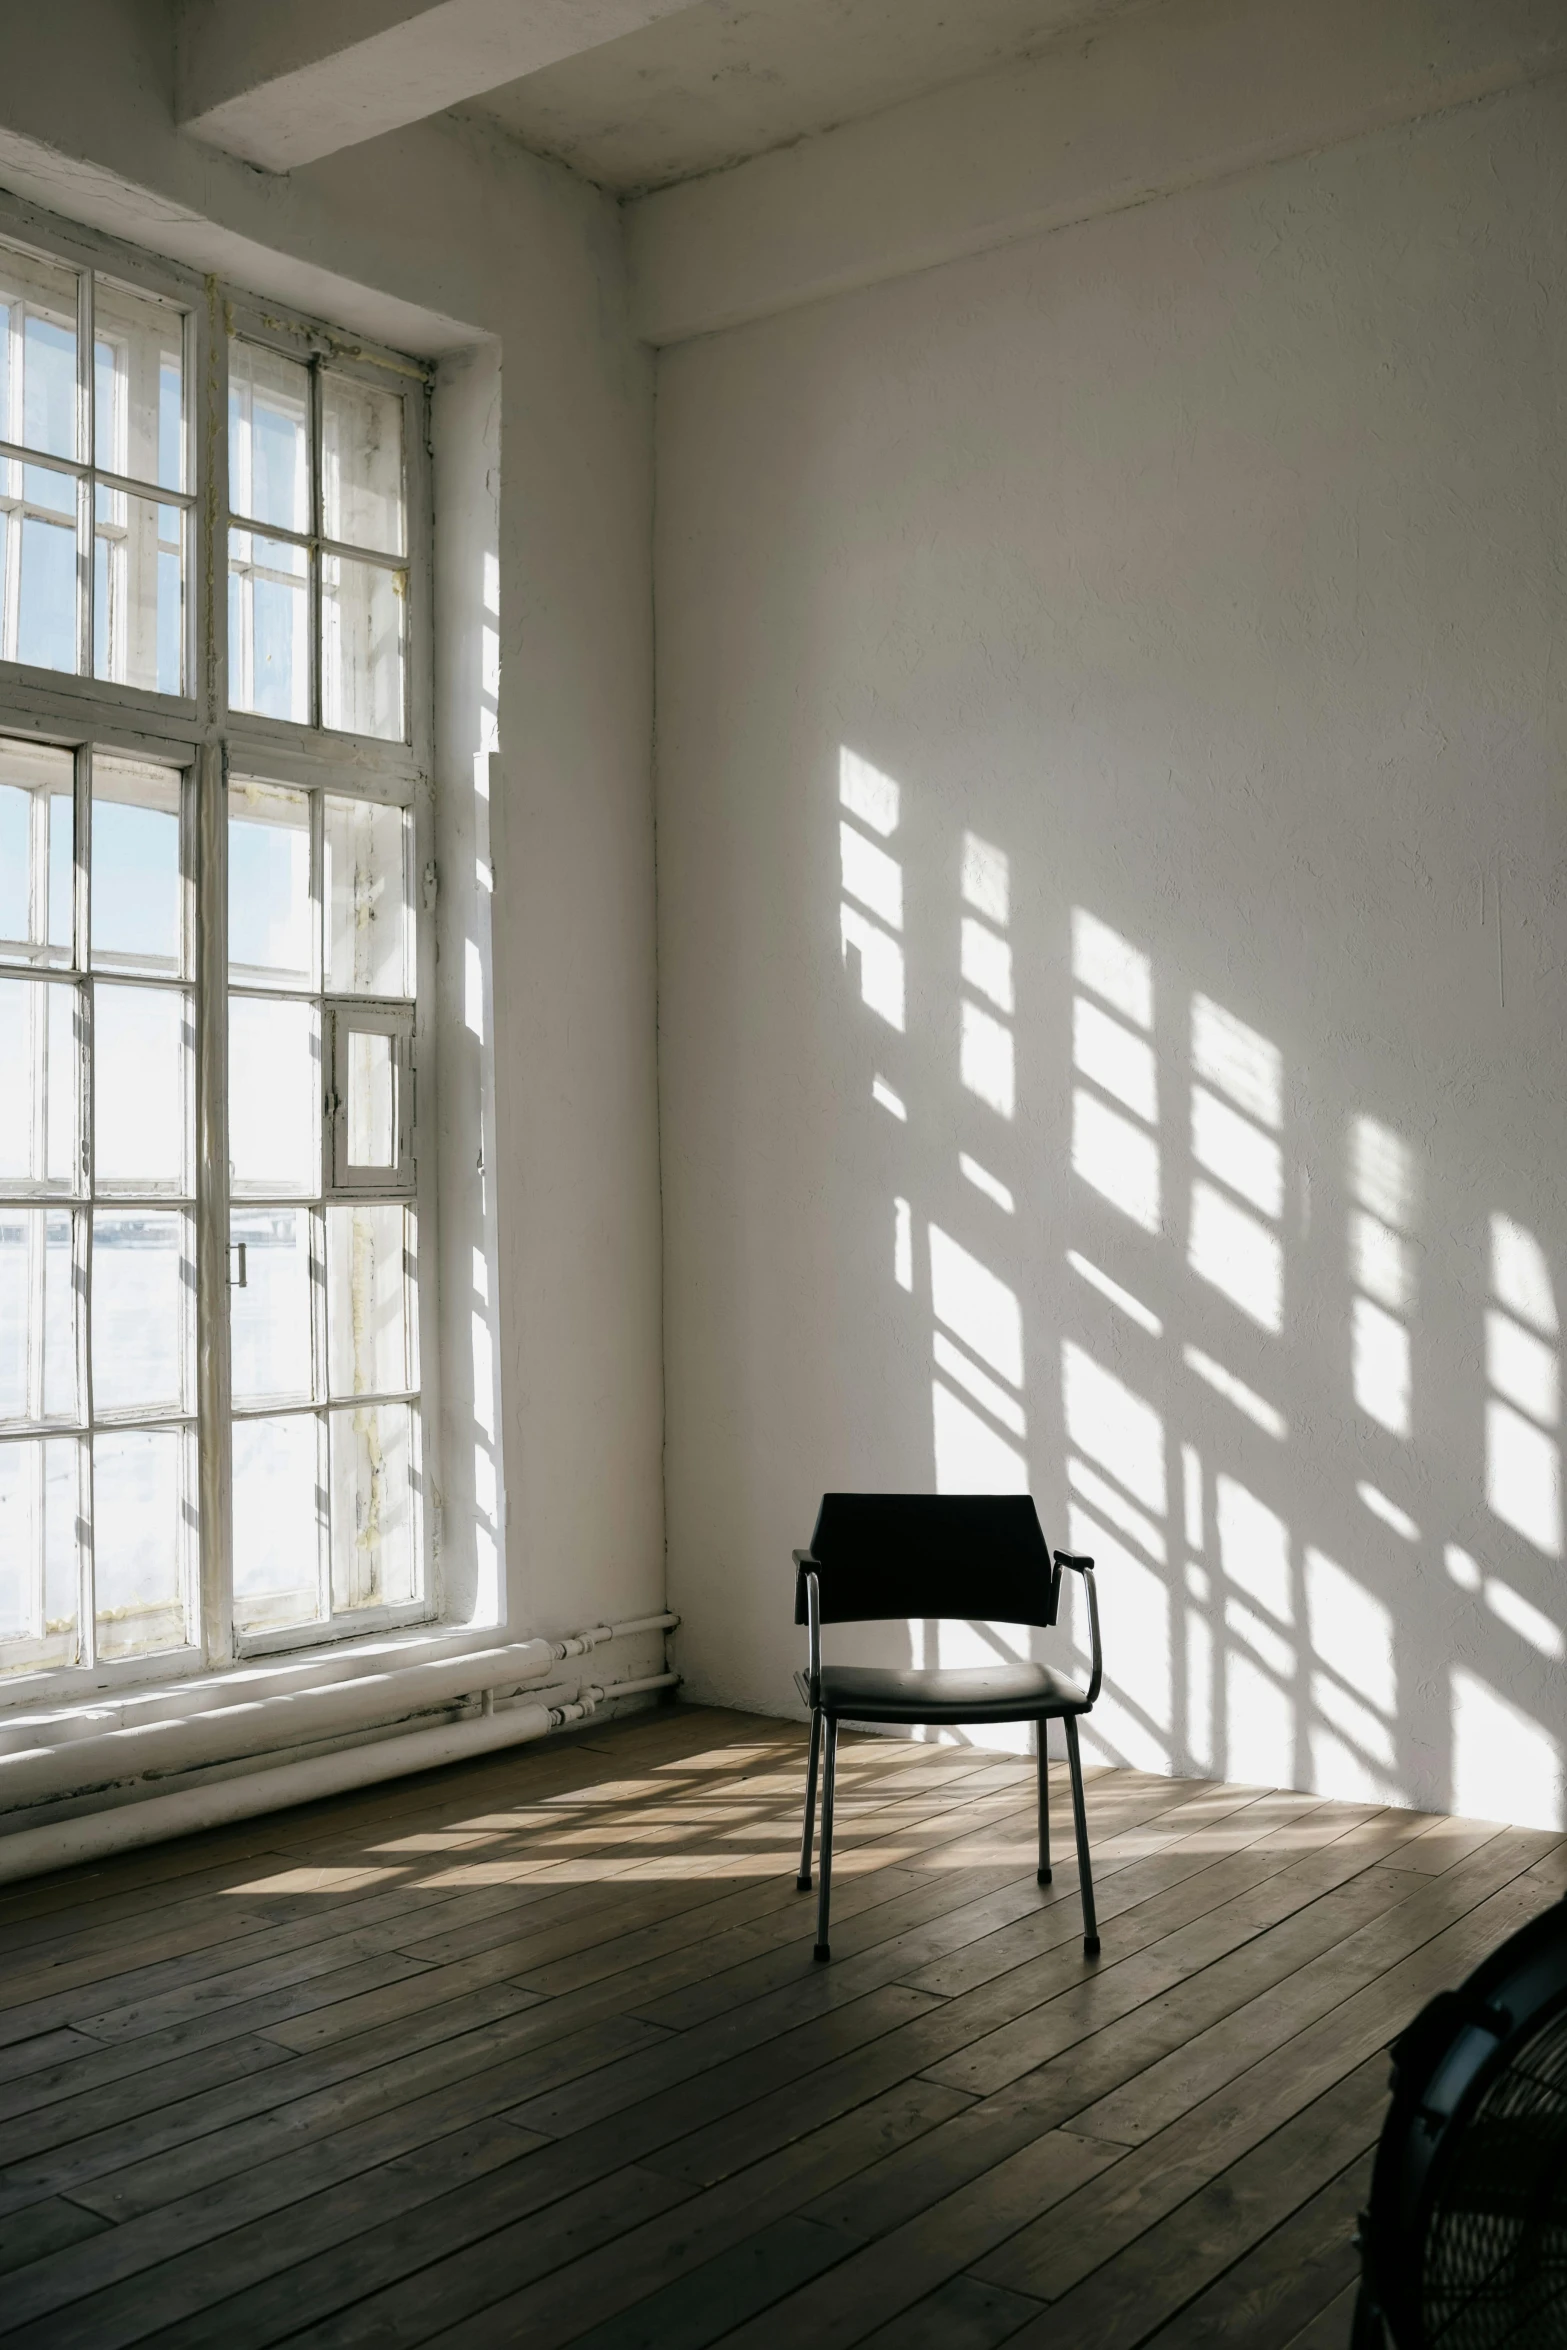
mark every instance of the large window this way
{"type": "Point", "coordinates": [213, 972]}
{"type": "Point", "coordinates": [94, 496]}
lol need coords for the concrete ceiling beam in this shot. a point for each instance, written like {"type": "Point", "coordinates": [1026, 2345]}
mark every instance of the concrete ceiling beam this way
{"type": "Point", "coordinates": [291, 81]}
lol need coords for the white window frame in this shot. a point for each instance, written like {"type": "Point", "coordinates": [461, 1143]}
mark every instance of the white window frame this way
{"type": "Point", "coordinates": [198, 734]}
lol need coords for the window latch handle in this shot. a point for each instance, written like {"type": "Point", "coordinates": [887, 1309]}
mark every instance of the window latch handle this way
{"type": "Point", "coordinates": [239, 1280]}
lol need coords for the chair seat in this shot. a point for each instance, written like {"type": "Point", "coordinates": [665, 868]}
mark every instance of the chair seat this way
{"type": "Point", "coordinates": [981, 1693]}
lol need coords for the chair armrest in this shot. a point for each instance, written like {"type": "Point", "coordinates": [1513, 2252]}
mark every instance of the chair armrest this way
{"type": "Point", "coordinates": [1084, 1566]}
{"type": "Point", "coordinates": [807, 1568]}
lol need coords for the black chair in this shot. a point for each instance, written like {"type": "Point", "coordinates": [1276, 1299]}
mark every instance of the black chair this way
{"type": "Point", "coordinates": [879, 1556]}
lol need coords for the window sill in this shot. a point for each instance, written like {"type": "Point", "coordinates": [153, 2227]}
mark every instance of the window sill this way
{"type": "Point", "coordinates": [50, 1708]}
{"type": "Point", "coordinates": [108, 1749]}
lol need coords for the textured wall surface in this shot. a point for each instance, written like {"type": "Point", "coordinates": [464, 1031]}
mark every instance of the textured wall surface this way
{"type": "Point", "coordinates": [1112, 883]}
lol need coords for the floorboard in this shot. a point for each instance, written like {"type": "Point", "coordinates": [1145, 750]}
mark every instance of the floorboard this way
{"type": "Point", "coordinates": [534, 2049]}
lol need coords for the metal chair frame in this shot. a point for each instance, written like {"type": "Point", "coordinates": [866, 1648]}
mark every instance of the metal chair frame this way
{"type": "Point", "coordinates": [1065, 1708]}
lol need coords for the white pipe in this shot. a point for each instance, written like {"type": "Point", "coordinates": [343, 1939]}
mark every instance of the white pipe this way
{"type": "Point", "coordinates": [226, 1732]}
{"type": "Point", "coordinates": [32, 1851]}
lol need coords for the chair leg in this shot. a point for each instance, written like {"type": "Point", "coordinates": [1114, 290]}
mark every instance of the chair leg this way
{"type": "Point", "coordinates": [1085, 1882]}
{"type": "Point", "coordinates": [1044, 1810]}
{"type": "Point", "coordinates": [824, 1894]}
{"type": "Point", "coordinates": [803, 1880]}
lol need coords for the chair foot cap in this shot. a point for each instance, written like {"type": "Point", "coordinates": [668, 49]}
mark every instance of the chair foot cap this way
{"type": "Point", "coordinates": [1044, 1876]}
{"type": "Point", "coordinates": [802, 1884]}
{"type": "Point", "coordinates": [1090, 1946]}
{"type": "Point", "coordinates": [822, 1951]}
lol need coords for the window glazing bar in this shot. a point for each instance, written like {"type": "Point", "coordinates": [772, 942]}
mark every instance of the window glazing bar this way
{"type": "Point", "coordinates": [292, 1408]}
{"type": "Point", "coordinates": [80, 470]}
{"type": "Point", "coordinates": [213, 1361]}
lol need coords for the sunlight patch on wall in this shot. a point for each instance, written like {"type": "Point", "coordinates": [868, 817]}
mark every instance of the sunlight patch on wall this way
{"type": "Point", "coordinates": [1199, 1683]}
{"type": "Point", "coordinates": [1523, 1477]}
{"type": "Point", "coordinates": [881, 964]}
{"type": "Point", "coordinates": [1254, 1548]}
{"type": "Point", "coordinates": [1382, 1173]}
{"type": "Point", "coordinates": [1505, 1766]}
{"type": "Point", "coordinates": [1342, 1770]}
{"type": "Point", "coordinates": [1352, 1633]}
{"type": "Point", "coordinates": [1381, 1367]}
{"type": "Point", "coordinates": [1384, 1180]}
{"type": "Point", "coordinates": [1259, 1746]}
{"type": "Point", "coordinates": [1238, 1062]}
{"type": "Point", "coordinates": [970, 1456]}
{"type": "Point", "coordinates": [868, 794]}
{"type": "Point", "coordinates": [1464, 1570]}
{"type": "Point", "coordinates": [1520, 1276]}
{"type": "Point", "coordinates": [1230, 1147]}
{"type": "Point", "coordinates": [1112, 967]}
{"type": "Point", "coordinates": [902, 1244]}
{"type": "Point", "coordinates": [977, 1308]}
{"type": "Point", "coordinates": [1522, 1368]}
{"type": "Point", "coordinates": [987, 879]}
{"type": "Point", "coordinates": [1134, 1711]}
{"type": "Point", "coordinates": [473, 989]}
{"type": "Point", "coordinates": [1520, 1615]}
{"type": "Point", "coordinates": [1116, 1159]}
{"type": "Point", "coordinates": [986, 963]}
{"type": "Point", "coordinates": [1122, 1299]}
{"type": "Point", "coordinates": [1120, 1064]}
{"type": "Point", "coordinates": [982, 1180]}
{"type": "Point", "coordinates": [870, 875]}
{"type": "Point", "coordinates": [1246, 1400]}
{"type": "Point", "coordinates": [1381, 1506]}
{"type": "Point", "coordinates": [985, 1060]}
{"type": "Point", "coordinates": [1114, 1427]}
{"type": "Point", "coordinates": [1237, 1255]}
{"type": "Point", "coordinates": [1113, 1506]}
{"type": "Point", "coordinates": [978, 1384]}
{"type": "Point", "coordinates": [1380, 1263]}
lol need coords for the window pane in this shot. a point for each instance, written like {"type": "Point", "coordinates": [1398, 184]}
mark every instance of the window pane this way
{"type": "Point", "coordinates": [362, 612]}
{"type": "Point", "coordinates": [269, 627]}
{"type": "Point", "coordinates": [368, 915]}
{"type": "Point", "coordinates": [139, 592]}
{"type": "Point", "coordinates": [39, 1503]}
{"type": "Point", "coordinates": [46, 600]}
{"type": "Point", "coordinates": [274, 1097]}
{"type": "Point", "coordinates": [138, 899]}
{"type": "Point", "coordinates": [270, 914]}
{"type": "Point", "coordinates": [143, 1040]}
{"type": "Point", "coordinates": [138, 386]}
{"type": "Point", "coordinates": [371, 1311]}
{"type": "Point", "coordinates": [278, 1514]}
{"type": "Point", "coordinates": [269, 437]}
{"type": "Point", "coordinates": [372, 1100]}
{"type": "Point", "coordinates": [139, 1540]}
{"type": "Point", "coordinates": [270, 1313]}
{"type": "Point", "coordinates": [362, 465]}
{"type": "Point", "coordinates": [143, 1282]}
{"type": "Point", "coordinates": [37, 1316]}
{"type": "Point", "coordinates": [373, 1558]}
{"type": "Point", "coordinates": [40, 1083]}
{"type": "Point", "coordinates": [37, 881]}
{"type": "Point", "coordinates": [38, 381]}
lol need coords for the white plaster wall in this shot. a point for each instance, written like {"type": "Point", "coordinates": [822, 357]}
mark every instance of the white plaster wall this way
{"type": "Point", "coordinates": [449, 240]}
{"type": "Point", "coordinates": [1206, 563]}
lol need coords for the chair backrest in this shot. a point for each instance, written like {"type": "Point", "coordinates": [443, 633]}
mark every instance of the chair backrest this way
{"type": "Point", "coordinates": [980, 1555]}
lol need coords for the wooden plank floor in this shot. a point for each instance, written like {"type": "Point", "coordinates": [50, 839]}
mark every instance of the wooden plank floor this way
{"type": "Point", "coordinates": [534, 2051]}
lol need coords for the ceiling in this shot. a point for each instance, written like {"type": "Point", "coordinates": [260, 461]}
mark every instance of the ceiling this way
{"type": "Point", "coordinates": [725, 79]}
